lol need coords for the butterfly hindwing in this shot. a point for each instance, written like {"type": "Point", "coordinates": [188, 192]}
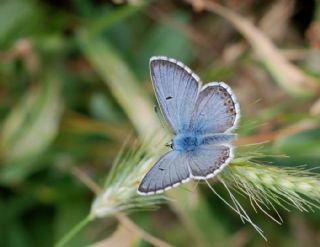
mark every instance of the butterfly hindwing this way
{"type": "Point", "coordinates": [170, 170]}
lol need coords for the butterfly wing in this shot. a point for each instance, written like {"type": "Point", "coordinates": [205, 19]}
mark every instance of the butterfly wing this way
{"type": "Point", "coordinates": [176, 88]}
{"type": "Point", "coordinates": [186, 108]}
{"type": "Point", "coordinates": [170, 170]}
{"type": "Point", "coordinates": [207, 161]}
{"type": "Point", "coordinates": [216, 110]}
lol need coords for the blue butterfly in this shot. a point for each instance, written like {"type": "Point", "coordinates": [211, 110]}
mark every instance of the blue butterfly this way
{"type": "Point", "coordinates": [202, 118]}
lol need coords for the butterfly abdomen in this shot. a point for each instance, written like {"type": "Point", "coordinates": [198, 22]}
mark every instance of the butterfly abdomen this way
{"type": "Point", "coordinates": [216, 139]}
{"type": "Point", "coordinates": [190, 142]}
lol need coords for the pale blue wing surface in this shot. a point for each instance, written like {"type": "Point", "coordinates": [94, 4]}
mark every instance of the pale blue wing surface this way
{"type": "Point", "coordinates": [216, 110]}
{"type": "Point", "coordinates": [207, 161]}
{"type": "Point", "coordinates": [170, 170]}
{"type": "Point", "coordinates": [176, 88]}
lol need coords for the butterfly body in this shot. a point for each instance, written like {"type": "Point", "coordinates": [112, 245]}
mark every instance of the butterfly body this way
{"type": "Point", "coordinates": [187, 142]}
{"type": "Point", "coordinates": [202, 120]}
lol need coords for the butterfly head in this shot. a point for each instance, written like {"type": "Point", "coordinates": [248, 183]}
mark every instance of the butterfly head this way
{"type": "Point", "coordinates": [170, 144]}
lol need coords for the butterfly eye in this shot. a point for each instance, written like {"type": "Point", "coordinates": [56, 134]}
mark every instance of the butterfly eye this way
{"type": "Point", "coordinates": [170, 144]}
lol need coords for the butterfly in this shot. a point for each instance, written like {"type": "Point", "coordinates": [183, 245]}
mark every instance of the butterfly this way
{"type": "Point", "coordinates": [202, 119]}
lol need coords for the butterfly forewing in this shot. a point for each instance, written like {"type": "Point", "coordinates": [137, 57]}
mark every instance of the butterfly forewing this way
{"type": "Point", "coordinates": [176, 88]}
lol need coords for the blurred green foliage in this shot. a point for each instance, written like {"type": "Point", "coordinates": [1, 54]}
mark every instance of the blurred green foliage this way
{"type": "Point", "coordinates": [72, 78]}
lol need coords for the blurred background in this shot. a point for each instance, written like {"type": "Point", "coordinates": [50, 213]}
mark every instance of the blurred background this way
{"type": "Point", "coordinates": [74, 82]}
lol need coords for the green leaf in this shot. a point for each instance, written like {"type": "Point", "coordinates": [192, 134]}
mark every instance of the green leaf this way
{"type": "Point", "coordinates": [196, 216]}
{"type": "Point", "coordinates": [70, 213]}
{"type": "Point", "coordinates": [164, 40]}
{"type": "Point", "coordinates": [29, 129]}
{"type": "Point", "coordinates": [303, 144]}
{"type": "Point", "coordinates": [16, 19]}
{"type": "Point", "coordinates": [121, 80]}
